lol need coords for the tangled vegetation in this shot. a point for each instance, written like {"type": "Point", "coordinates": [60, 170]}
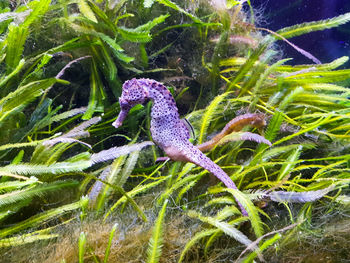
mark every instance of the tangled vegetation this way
{"type": "Point", "coordinates": [75, 189]}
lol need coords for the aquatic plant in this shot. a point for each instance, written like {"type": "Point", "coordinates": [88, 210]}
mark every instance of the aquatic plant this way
{"type": "Point", "coordinates": [52, 160]}
{"type": "Point", "coordinates": [36, 139]}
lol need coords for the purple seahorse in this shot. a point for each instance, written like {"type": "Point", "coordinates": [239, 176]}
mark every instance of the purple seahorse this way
{"type": "Point", "coordinates": [168, 131]}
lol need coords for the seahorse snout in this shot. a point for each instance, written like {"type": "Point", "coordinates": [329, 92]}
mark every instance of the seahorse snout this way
{"type": "Point", "coordinates": [124, 110]}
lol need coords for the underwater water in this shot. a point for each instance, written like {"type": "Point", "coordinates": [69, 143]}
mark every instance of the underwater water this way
{"type": "Point", "coordinates": [326, 45]}
{"type": "Point", "coordinates": [95, 95]}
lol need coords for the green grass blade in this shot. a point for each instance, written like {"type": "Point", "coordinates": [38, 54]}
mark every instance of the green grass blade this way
{"type": "Point", "coordinates": [155, 243]}
{"type": "Point", "coordinates": [18, 68]}
{"type": "Point", "coordinates": [198, 236]}
{"type": "Point", "coordinates": [81, 247]}
{"type": "Point", "coordinates": [151, 24]}
{"type": "Point", "coordinates": [313, 126]}
{"type": "Point", "coordinates": [304, 28]}
{"type": "Point", "coordinates": [11, 185]}
{"type": "Point", "coordinates": [37, 169]}
{"type": "Point", "coordinates": [325, 66]}
{"type": "Point", "coordinates": [208, 116]}
{"type": "Point", "coordinates": [289, 164]}
{"type": "Point", "coordinates": [127, 168]}
{"type": "Point", "coordinates": [85, 9]}
{"type": "Point", "coordinates": [181, 183]}
{"type": "Point", "coordinates": [137, 190]}
{"type": "Point", "coordinates": [262, 80]}
{"type": "Point", "coordinates": [34, 191]}
{"type": "Point", "coordinates": [223, 226]}
{"type": "Point", "coordinates": [15, 41]}
{"type": "Point", "coordinates": [264, 246]}
{"type": "Point", "coordinates": [133, 35]}
{"type": "Point", "coordinates": [248, 65]}
{"type": "Point", "coordinates": [274, 126]}
{"type": "Point", "coordinates": [108, 248]}
{"type": "Point", "coordinates": [41, 218]}
{"type": "Point", "coordinates": [20, 145]}
{"type": "Point", "coordinates": [93, 100]}
{"type": "Point", "coordinates": [174, 6]}
{"type": "Point", "coordinates": [250, 208]}
{"type": "Point", "coordinates": [38, 9]}
{"type": "Point", "coordinates": [23, 240]}
{"type": "Point", "coordinates": [23, 95]}
{"type": "Point", "coordinates": [112, 172]}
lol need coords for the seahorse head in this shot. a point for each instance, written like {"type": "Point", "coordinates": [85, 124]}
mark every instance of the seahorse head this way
{"type": "Point", "coordinates": [134, 92]}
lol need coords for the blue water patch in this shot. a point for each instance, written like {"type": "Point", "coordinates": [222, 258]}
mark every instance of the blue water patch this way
{"type": "Point", "coordinates": [326, 45]}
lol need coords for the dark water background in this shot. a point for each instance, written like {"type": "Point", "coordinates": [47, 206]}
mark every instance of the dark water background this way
{"type": "Point", "coordinates": [326, 45]}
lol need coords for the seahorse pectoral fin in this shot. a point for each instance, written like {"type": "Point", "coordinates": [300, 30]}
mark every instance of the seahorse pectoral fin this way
{"type": "Point", "coordinates": [188, 128]}
{"type": "Point", "coordinates": [192, 154]}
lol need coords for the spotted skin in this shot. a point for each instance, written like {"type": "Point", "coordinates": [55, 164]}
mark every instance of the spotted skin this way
{"type": "Point", "coordinates": [168, 131]}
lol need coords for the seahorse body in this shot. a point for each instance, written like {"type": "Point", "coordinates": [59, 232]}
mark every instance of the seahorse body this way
{"type": "Point", "coordinates": [167, 129]}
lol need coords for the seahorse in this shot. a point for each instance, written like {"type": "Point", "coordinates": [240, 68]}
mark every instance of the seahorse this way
{"type": "Point", "coordinates": [168, 131]}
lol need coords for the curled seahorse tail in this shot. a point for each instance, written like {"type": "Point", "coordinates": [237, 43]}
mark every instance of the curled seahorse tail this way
{"type": "Point", "coordinates": [194, 155]}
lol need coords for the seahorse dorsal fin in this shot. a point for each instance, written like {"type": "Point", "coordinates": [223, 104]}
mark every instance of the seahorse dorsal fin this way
{"type": "Point", "coordinates": [189, 128]}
